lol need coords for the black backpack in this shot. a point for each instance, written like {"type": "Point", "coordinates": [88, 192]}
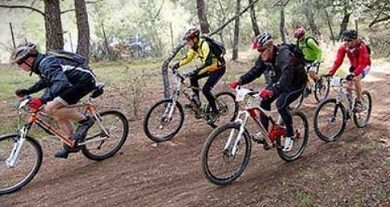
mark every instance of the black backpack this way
{"type": "Point", "coordinates": [217, 48]}
{"type": "Point", "coordinates": [368, 47]}
{"type": "Point", "coordinates": [298, 54]}
{"type": "Point", "coordinates": [79, 59]}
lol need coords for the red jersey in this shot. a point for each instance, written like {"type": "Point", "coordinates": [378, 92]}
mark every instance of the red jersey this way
{"type": "Point", "coordinates": [358, 56]}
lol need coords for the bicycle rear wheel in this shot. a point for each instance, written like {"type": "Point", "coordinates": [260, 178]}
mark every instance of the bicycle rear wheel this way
{"type": "Point", "coordinates": [26, 166]}
{"type": "Point", "coordinates": [329, 120]}
{"type": "Point", "coordinates": [322, 92]}
{"type": "Point", "coordinates": [301, 130]}
{"type": "Point", "coordinates": [220, 165]}
{"type": "Point", "coordinates": [101, 144]}
{"type": "Point", "coordinates": [158, 126]}
{"type": "Point", "coordinates": [227, 106]}
{"type": "Point", "coordinates": [362, 117]}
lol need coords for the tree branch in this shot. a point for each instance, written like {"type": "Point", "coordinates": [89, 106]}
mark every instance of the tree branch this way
{"type": "Point", "coordinates": [69, 10]}
{"type": "Point", "coordinates": [233, 18]}
{"type": "Point", "coordinates": [159, 11]}
{"type": "Point", "coordinates": [22, 7]}
{"type": "Point", "coordinates": [379, 20]}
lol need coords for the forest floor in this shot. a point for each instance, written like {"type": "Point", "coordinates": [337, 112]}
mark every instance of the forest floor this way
{"type": "Point", "coordinates": [353, 171]}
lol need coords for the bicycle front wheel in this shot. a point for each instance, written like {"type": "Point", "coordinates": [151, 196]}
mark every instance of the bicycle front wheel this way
{"type": "Point", "coordinates": [329, 120]}
{"type": "Point", "coordinates": [222, 163]}
{"type": "Point", "coordinates": [13, 178]}
{"type": "Point", "coordinates": [301, 132]}
{"type": "Point", "coordinates": [105, 139]}
{"type": "Point", "coordinates": [164, 120]}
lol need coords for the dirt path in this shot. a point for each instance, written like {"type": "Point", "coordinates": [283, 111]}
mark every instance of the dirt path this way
{"type": "Point", "coordinates": [354, 171]}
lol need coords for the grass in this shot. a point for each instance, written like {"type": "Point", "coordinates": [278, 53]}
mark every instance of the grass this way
{"type": "Point", "coordinates": [304, 199]}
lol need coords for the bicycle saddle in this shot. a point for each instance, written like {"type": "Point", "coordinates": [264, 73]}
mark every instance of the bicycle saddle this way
{"type": "Point", "coordinates": [98, 91]}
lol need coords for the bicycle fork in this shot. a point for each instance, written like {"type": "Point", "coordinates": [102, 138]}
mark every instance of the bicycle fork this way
{"type": "Point", "coordinates": [13, 157]}
{"type": "Point", "coordinates": [230, 147]}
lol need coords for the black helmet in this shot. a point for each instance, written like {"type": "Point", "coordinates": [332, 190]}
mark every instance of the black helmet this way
{"type": "Point", "coordinates": [24, 51]}
{"type": "Point", "coordinates": [191, 34]}
{"type": "Point", "coordinates": [350, 34]}
{"type": "Point", "coordinates": [261, 40]}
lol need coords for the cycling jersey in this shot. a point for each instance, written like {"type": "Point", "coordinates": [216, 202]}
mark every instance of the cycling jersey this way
{"type": "Point", "coordinates": [58, 75]}
{"type": "Point", "coordinates": [310, 49]}
{"type": "Point", "coordinates": [358, 57]}
{"type": "Point", "coordinates": [202, 50]}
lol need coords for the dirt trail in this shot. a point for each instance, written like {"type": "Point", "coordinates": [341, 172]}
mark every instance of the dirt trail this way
{"type": "Point", "coordinates": [352, 171]}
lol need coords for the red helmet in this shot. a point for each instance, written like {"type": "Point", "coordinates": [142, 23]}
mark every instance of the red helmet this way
{"type": "Point", "coordinates": [299, 32]}
{"type": "Point", "coordinates": [191, 34]}
{"type": "Point", "coordinates": [261, 40]}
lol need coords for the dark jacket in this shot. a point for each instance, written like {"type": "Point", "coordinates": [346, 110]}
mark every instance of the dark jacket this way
{"type": "Point", "coordinates": [58, 74]}
{"type": "Point", "coordinates": [284, 72]}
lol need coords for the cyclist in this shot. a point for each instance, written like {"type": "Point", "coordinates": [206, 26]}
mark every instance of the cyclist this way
{"type": "Point", "coordinates": [213, 67]}
{"type": "Point", "coordinates": [287, 79]}
{"type": "Point", "coordinates": [65, 82]}
{"type": "Point", "coordinates": [358, 54]}
{"type": "Point", "coordinates": [312, 53]}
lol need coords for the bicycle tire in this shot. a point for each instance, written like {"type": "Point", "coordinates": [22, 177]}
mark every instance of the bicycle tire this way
{"type": "Point", "coordinates": [39, 155]}
{"type": "Point", "coordinates": [355, 116]}
{"type": "Point", "coordinates": [170, 135]}
{"type": "Point", "coordinates": [235, 112]}
{"type": "Point", "coordinates": [87, 150]}
{"type": "Point", "coordinates": [317, 96]}
{"type": "Point", "coordinates": [205, 165]}
{"type": "Point", "coordinates": [316, 116]}
{"type": "Point", "coordinates": [285, 155]}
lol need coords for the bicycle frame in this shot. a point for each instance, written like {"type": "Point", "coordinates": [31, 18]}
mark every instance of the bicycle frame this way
{"type": "Point", "coordinates": [36, 118]}
{"type": "Point", "coordinates": [342, 98]}
{"type": "Point", "coordinates": [250, 111]}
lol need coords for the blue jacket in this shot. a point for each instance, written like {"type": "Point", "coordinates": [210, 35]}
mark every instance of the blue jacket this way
{"type": "Point", "coordinates": [58, 74]}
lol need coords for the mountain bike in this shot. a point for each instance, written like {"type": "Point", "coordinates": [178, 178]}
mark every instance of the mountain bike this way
{"type": "Point", "coordinates": [21, 155]}
{"type": "Point", "coordinates": [227, 150]}
{"type": "Point", "coordinates": [320, 91]}
{"type": "Point", "coordinates": [332, 114]}
{"type": "Point", "coordinates": [165, 118]}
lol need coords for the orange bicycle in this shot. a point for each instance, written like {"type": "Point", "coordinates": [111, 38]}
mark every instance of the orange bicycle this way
{"type": "Point", "coordinates": [21, 155]}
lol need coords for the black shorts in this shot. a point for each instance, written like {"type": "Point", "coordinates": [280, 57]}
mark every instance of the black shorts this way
{"type": "Point", "coordinates": [73, 94]}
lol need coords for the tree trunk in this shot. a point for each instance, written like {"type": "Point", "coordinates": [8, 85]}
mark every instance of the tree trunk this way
{"type": "Point", "coordinates": [344, 23]}
{"type": "Point", "coordinates": [309, 14]}
{"type": "Point", "coordinates": [204, 24]}
{"type": "Point", "coordinates": [330, 26]}
{"type": "Point", "coordinates": [255, 26]}
{"type": "Point", "coordinates": [236, 31]}
{"type": "Point", "coordinates": [282, 22]}
{"type": "Point", "coordinates": [53, 25]}
{"type": "Point", "coordinates": [83, 28]}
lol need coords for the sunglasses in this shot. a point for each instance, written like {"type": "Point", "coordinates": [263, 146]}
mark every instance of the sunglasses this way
{"type": "Point", "coordinates": [348, 40]}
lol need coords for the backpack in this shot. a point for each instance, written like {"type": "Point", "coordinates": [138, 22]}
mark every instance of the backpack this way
{"type": "Point", "coordinates": [79, 59]}
{"type": "Point", "coordinates": [368, 47]}
{"type": "Point", "coordinates": [298, 53]}
{"type": "Point", "coordinates": [217, 48]}
{"type": "Point", "coordinates": [307, 39]}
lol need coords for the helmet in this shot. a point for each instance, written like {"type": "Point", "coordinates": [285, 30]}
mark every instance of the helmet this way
{"type": "Point", "coordinates": [299, 32]}
{"type": "Point", "coordinates": [350, 34]}
{"type": "Point", "coordinates": [261, 40]}
{"type": "Point", "coordinates": [24, 51]}
{"type": "Point", "coordinates": [191, 34]}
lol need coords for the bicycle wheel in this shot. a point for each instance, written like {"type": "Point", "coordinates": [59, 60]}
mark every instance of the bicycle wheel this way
{"type": "Point", "coordinates": [220, 166]}
{"type": "Point", "coordinates": [227, 106]}
{"type": "Point", "coordinates": [158, 126]}
{"type": "Point", "coordinates": [329, 120]}
{"type": "Point", "coordinates": [322, 92]}
{"type": "Point", "coordinates": [26, 166]}
{"type": "Point", "coordinates": [301, 129]}
{"type": "Point", "coordinates": [362, 117]}
{"type": "Point", "coordinates": [99, 145]}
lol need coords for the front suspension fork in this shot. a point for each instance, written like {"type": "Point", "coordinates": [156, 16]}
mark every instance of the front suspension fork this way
{"type": "Point", "coordinates": [232, 149]}
{"type": "Point", "coordinates": [13, 157]}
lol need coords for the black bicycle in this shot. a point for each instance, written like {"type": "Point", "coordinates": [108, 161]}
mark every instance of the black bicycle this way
{"type": "Point", "coordinates": [165, 118]}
